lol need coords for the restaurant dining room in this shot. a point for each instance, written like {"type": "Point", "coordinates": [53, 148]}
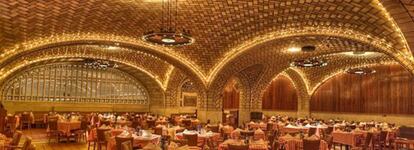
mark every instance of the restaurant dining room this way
{"type": "Point", "coordinates": [206, 74]}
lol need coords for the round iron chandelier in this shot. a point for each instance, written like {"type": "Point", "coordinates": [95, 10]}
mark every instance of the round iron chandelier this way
{"type": "Point", "coordinates": [169, 34]}
{"type": "Point", "coordinates": [311, 62]}
{"type": "Point", "coordinates": [361, 71]}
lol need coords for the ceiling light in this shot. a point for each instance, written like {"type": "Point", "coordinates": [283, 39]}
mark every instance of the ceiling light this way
{"type": "Point", "coordinates": [294, 49]}
{"type": "Point", "coordinates": [169, 34]}
{"type": "Point", "coordinates": [358, 53]}
{"type": "Point", "coordinates": [312, 62]}
{"type": "Point", "coordinates": [360, 71]}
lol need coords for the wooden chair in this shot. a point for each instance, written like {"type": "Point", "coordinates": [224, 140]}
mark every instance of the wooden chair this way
{"type": "Point", "coordinates": [367, 142]}
{"type": "Point", "coordinates": [311, 144]}
{"type": "Point", "coordinates": [186, 123]}
{"type": "Point", "coordinates": [91, 140]}
{"type": "Point", "coordinates": [25, 121]}
{"type": "Point", "coordinates": [135, 124]}
{"type": "Point", "coordinates": [81, 133]}
{"type": "Point", "coordinates": [158, 130]}
{"type": "Point", "coordinates": [127, 145]}
{"type": "Point", "coordinates": [311, 131]}
{"type": "Point", "coordinates": [26, 145]}
{"type": "Point", "coordinates": [329, 130]}
{"type": "Point", "coordinates": [150, 124]}
{"type": "Point", "coordinates": [15, 140]}
{"type": "Point", "coordinates": [121, 140]}
{"type": "Point", "coordinates": [245, 134]}
{"type": "Point", "coordinates": [238, 147]}
{"type": "Point", "coordinates": [269, 127]}
{"type": "Point", "coordinates": [105, 122]}
{"type": "Point", "coordinates": [101, 137]}
{"type": "Point", "coordinates": [214, 128]}
{"type": "Point", "coordinates": [11, 123]}
{"type": "Point", "coordinates": [53, 132]}
{"type": "Point", "coordinates": [192, 139]}
{"type": "Point", "coordinates": [382, 140]}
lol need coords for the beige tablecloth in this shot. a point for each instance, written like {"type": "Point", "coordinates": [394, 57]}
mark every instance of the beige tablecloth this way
{"type": "Point", "coordinates": [258, 145]}
{"type": "Point", "coordinates": [347, 138]}
{"type": "Point", "coordinates": [66, 127]}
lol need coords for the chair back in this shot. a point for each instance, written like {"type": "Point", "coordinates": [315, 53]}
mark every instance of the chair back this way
{"type": "Point", "coordinates": [368, 140]}
{"type": "Point", "coordinates": [269, 126]}
{"type": "Point", "coordinates": [311, 131]}
{"type": "Point", "coordinates": [186, 123]}
{"type": "Point", "coordinates": [151, 123]}
{"type": "Point", "coordinates": [238, 147]}
{"type": "Point", "coordinates": [27, 143]}
{"type": "Point", "coordinates": [100, 133]}
{"type": "Point", "coordinates": [158, 130]}
{"type": "Point", "coordinates": [245, 134]}
{"type": "Point", "coordinates": [84, 125]}
{"type": "Point", "coordinates": [16, 138]}
{"type": "Point", "coordinates": [214, 128]}
{"type": "Point", "coordinates": [329, 130]}
{"type": "Point", "coordinates": [121, 140]}
{"type": "Point", "coordinates": [105, 122]}
{"type": "Point", "coordinates": [191, 139]}
{"type": "Point", "coordinates": [383, 136]}
{"type": "Point", "coordinates": [95, 119]}
{"type": "Point", "coordinates": [311, 144]}
{"type": "Point", "coordinates": [53, 125]}
{"type": "Point", "coordinates": [135, 124]}
{"type": "Point", "coordinates": [25, 118]}
{"type": "Point", "coordinates": [127, 145]}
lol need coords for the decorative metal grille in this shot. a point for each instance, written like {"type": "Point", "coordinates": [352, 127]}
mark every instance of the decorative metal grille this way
{"type": "Point", "coordinates": [75, 83]}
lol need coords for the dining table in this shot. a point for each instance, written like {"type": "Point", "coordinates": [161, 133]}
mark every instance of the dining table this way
{"type": "Point", "coordinates": [92, 135]}
{"type": "Point", "coordinates": [351, 139]}
{"type": "Point", "coordinates": [253, 145]}
{"type": "Point", "coordinates": [138, 141]}
{"type": "Point", "coordinates": [67, 126]}
{"type": "Point", "coordinates": [202, 136]}
{"type": "Point", "coordinates": [294, 143]}
{"type": "Point", "coordinates": [294, 129]}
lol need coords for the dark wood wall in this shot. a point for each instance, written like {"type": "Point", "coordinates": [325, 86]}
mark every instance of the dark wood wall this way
{"type": "Point", "coordinates": [388, 91]}
{"type": "Point", "coordinates": [231, 96]}
{"type": "Point", "coordinates": [280, 95]}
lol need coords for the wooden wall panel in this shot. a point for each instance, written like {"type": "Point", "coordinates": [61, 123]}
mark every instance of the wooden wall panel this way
{"type": "Point", "coordinates": [280, 95]}
{"type": "Point", "coordinates": [388, 91]}
{"type": "Point", "coordinates": [231, 96]}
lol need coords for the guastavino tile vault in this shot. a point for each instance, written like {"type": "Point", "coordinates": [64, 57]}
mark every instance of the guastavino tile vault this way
{"type": "Point", "coordinates": [206, 74]}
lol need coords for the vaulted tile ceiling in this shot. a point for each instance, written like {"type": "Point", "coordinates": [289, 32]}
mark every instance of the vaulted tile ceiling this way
{"type": "Point", "coordinates": [230, 34]}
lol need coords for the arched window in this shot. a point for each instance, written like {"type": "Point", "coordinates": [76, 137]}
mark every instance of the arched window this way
{"type": "Point", "coordinates": [74, 83]}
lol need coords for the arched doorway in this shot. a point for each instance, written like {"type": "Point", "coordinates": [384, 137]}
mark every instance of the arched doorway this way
{"type": "Point", "coordinates": [231, 102]}
{"type": "Point", "coordinates": [280, 96]}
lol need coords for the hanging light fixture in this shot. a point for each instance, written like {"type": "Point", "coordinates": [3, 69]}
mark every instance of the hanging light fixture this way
{"type": "Point", "coordinates": [310, 62]}
{"type": "Point", "coordinates": [361, 71]}
{"type": "Point", "coordinates": [169, 34]}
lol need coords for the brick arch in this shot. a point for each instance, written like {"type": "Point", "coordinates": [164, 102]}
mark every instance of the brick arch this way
{"type": "Point", "coordinates": [164, 53]}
